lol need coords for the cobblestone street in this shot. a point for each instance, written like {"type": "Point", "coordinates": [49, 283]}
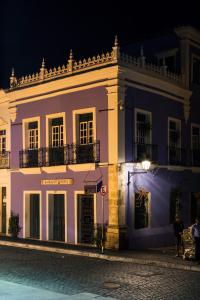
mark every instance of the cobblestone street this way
{"type": "Point", "coordinates": [71, 275]}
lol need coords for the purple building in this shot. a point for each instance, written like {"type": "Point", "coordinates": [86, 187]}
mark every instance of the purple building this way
{"type": "Point", "coordinates": [94, 122]}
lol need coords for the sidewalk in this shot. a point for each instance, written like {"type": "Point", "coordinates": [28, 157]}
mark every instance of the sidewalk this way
{"type": "Point", "coordinates": [162, 257]}
{"type": "Point", "coordinates": [15, 291]}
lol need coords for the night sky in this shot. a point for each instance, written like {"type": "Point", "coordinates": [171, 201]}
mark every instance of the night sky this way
{"type": "Point", "coordinates": [32, 29]}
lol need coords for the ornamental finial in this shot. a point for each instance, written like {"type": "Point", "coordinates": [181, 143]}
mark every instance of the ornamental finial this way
{"type": "Point", "coordinates": [43, 63]}
{"type": "Point", "coordinates": [71, 54]}
{"type": "Point", "coordinates": [116, 41]}
{"type": "Point", "coordinates": [13, 72]}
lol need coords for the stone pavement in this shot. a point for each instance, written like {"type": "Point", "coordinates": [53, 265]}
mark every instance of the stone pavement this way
{"type": "Point", "coordinates": [163, 257]}
{"type": "Point", "coordinates": [75, 275]}
{"type": "Point", "coordinates": [14, 291]}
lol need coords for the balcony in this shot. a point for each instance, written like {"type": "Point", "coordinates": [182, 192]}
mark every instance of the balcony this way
{"type": "Point", "coordinates": [195, 157]}
{"type": "Point", "coordinates": [5, 160]}
{"type": "Point", "coordinates": [66, 155]}
{"type": "Point", "coordinates": [145, 152]}
{"type": "Point", "coordinates": [177, 156]}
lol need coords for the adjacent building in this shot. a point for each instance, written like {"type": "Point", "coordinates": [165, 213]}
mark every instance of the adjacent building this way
{"type": "Point", "coordinates": [93, 122]}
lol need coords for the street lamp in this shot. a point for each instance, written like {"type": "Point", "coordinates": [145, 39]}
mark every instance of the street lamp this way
{"type": "Point", "coordinates": [146, 164]}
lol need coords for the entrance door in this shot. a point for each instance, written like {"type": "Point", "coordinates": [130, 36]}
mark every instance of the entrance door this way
{"type": "Point", "coordinates": [3, 221]}
{"type": "Point", "coordinates": [195, 206]}
{"type": "Point", "coordinates": [56, 217]}
{"type": "Point", "coordinates": [86, 218]}
{"type": "Point", "coordinates": [34, 216]}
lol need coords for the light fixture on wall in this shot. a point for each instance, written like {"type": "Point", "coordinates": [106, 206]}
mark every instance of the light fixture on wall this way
{"type": "Point", "coordinates": [145, 164]}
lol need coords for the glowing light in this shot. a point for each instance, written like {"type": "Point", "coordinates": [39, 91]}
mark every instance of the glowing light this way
{"type": "Point", "coordinates": [146, 165]}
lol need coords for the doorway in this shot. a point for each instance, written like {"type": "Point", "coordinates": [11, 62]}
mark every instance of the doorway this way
{"type": "Point", "coordinates": [32, 215]}
{"type": "Point", "coordinates": [85, 218]}
{"type": "Point", "coordinates": [194, 207]}
{"type": "Point", "coordinates": [56, 217]}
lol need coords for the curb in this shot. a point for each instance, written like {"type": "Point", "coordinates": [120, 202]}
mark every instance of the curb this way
{"type": "Point", "coordinates": [113, 258]}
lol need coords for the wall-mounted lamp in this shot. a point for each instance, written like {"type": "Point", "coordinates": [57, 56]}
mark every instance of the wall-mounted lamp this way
{"type": "Point", "coordinates": [145, 167]}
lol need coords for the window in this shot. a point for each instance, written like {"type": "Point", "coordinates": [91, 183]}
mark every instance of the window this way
{"type": "Point", "coordinates": [29, 156]}
{"type": "Point", "coordinates": [2, 141]}
{"type": "Point", "coordinates": [195, 137]}
{"type": "Point", "coordinates": [56, 138]}
{"type": "Point", "coordinates": [85, 138]}
{"type": "Point", "coordinates": [195, 145]}
{"type": "Point", "coordinates": [85, 129]}
{"type": "Point", "coordinates": [143, 147]}
{"type": "Point", "coordinates": [56, 142]}
{"type": "Point", "coordinates": [141, 210]}
{"type": "Point", "coordinates": [196, 70]}
{"type": "Point", "coordinates": [33, 135]}
{"type": "Point", "coordinates": [174, 149]}
{"type": "Point", "coordinates": [143, 128]}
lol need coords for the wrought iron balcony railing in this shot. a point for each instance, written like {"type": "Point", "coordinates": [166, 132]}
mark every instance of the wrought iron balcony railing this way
{"type": "Point", "coordinates": [195, 157]}
{"type": "Point", "coordinates": [5, 160]}
{"type": "Point", "coordinates": [145, 152]}
{"type": "Point", "coordinates": [177, 156]}
{"type": "Point", "coordinates": [55, 156]}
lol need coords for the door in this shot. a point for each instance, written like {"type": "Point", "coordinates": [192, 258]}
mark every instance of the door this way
{"type": "Point", "coordinates": [34, 216]}
{"type": "Point", "coordinates": [195, 206]}
{"type": "Point", "coordinates": [58, 218]}
{"type": "Point", "coordinates": [86, 218]}
{"type": "Point", "coordinates": [3, 221]}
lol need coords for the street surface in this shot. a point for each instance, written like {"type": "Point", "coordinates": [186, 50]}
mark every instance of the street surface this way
{"type": "Point", "coordinates": [43, 275]}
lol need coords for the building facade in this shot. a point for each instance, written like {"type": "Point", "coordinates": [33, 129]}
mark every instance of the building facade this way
{"type": "Point", "coordinates": [91, 123]}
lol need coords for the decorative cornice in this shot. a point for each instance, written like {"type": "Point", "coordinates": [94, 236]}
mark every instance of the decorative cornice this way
{"type": "Point", "coordinates": [115, 57]}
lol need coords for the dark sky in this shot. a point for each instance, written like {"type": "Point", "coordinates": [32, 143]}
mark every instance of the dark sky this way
{"type": "Point", "coordinates": [32, 29]}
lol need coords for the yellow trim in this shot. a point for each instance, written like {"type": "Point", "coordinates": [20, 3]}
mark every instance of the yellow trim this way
{"type": "Point", "coordinates": [82, 167]}
{"type": "Point", "coordinates": [55, 169]}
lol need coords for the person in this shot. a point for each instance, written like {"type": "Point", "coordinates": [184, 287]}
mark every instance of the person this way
{"type": "Point", "coordinates": [195, 232]}
{"type": "Point", "coordinates": [178, 231]}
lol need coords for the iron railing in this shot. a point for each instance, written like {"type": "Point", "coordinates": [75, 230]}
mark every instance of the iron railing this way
{"type": "Point", "coordinates": [177, 156]}
{"type": "Point", "coordinates": [5, 160]}
{"type": "Point", "coordinates": [145, 152]}
{"type": "Point", "coordinates": [66, 155]}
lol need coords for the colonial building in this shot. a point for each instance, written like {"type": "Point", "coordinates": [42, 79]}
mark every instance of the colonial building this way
{"type": "Point", "coordinates": [4, 163]}
{"type": "Point", "coordinates": [93, 122]}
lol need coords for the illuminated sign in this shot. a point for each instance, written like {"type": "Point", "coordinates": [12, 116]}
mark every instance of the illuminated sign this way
{"type": "Point", "coordinates": [57, 181]}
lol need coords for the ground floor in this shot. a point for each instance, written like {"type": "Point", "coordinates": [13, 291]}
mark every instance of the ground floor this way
{"type": "Point", "coordinates": [137, 211]}
{"type": "Point", "coordinates": [153, 200]}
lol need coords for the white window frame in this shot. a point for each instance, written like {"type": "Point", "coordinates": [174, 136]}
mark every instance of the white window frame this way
{"type": "Point", "coordinates": [192, 61]}
{"type": "Point", "coordinates": [33, 138]}
{"type": "Point", "coordinates": [177, 121]}
{"type": "Point", "coordinates": [25, 194]}
{"type": "Point", "coordinates": [146, 112]}
{"type": "Point", "coordinates": [25, 131]}
{"type": "Point", "coordinates": [53, 116]}
{"type": "Point", "coordinates": [193, 125]}
{"type": "Point", "coordinates": [80, 112]}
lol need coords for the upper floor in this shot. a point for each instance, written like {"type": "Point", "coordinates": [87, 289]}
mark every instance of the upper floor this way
{"type": "Point", "coordinates": [107, 109]}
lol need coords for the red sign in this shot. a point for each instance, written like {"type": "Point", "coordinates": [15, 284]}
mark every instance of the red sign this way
{"type": "Point", "coordinates": [103, 190]}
